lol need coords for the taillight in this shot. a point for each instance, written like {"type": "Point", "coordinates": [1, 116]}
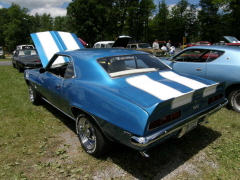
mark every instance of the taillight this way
{"type": "Point", "coordinates": [215, 98]}
{"type": "Point", "coordinates": [37, 60]}
{"type": "Point", "coordinates": [166, 119]}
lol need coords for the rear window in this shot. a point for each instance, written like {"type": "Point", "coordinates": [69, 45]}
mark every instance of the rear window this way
{"type": "Point", "coordinates": [132, 64]}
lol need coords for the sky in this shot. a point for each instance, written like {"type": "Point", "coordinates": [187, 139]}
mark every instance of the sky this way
{"type": "Point", "coordinates": [58, 7]}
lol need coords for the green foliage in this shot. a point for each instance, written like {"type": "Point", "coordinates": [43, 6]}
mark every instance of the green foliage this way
{"type": "Point", "coordinates": [96, 20]}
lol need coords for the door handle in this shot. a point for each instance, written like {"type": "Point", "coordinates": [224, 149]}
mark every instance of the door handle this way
{"type": "Point", "coordinates": [199, 69]}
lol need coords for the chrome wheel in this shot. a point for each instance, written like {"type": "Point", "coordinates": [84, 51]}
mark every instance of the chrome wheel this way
{"type": "Point", "coordinates": [91, 137]}
{"type": "Point", "coordinates": [86, 134]}
{"type": "Point", "coordinates": [234, 100]}
{"type": "Point", "coordinates": [31, 91]}
{"type": "Point", "coordinates": [33, 96]}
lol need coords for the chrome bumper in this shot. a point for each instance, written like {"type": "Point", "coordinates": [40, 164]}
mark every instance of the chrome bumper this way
{"type": "Point", "coordinates": [179, 126]}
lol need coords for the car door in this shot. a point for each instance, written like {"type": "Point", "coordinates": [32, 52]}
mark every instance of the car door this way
{"type": "Point", "coordinates": [52, 80]}
{"type": "Point", "coordinates": [193, 61]}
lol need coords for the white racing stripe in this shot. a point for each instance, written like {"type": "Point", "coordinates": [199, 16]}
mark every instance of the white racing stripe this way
{"type": "Point", "coordinates": [49, 45]}
{"type": "Point", "coordinates": [69, 41]}
{"type": "Point", "coordinates": [193, 84]}
{"type": "Point", "coordinates": [157, 89]}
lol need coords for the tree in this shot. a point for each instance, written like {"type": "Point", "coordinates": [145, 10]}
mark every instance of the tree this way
{"type": "Point", "coordinates": [17, 29]}
{"type": "Point", "coordinates": [3, 21]}
{"type": "Point", "coordinates": [158, 24]}
{"type": "Point", "coordinates": [209, 20]}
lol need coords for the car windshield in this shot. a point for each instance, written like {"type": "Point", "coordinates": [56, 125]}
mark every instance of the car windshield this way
{"type": "Point", "coordinates": [144, 46]}
{"type": "Point", "coordinates": [231, 39]}
{"type": "Point", "coordinates": [109, 45]}
{"type": "Point", "coordinates": [131, 64]}
{"type": "Point", "coordinates": [27, 52]}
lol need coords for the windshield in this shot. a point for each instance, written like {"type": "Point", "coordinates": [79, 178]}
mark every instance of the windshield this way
{"type": "Point", "coordinates": [109, 45]}
{"type": "Point", "coordinates": [27, 52]}
{"type": "Point", "coordinates": [132, 64]}
{"type": "Point", "coordinates": [144, 46]}
{"type": "Point", "coordinates": [231, 39]}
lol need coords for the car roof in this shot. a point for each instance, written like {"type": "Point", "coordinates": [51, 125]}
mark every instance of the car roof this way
{"type": "Point", "coordinates": [96, 53]}
{"type": "Point", "coordinates": [104, 42]}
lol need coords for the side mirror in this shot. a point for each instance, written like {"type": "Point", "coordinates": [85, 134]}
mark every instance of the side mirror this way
{"type": "Point", "coordinates": [42, 70]}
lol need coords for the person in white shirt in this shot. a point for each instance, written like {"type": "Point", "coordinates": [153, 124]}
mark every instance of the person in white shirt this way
{"type": "Point", "coordinates": [155, 44]}
{"type": "Point", "coordinates": [164, 48]}
{"type": "Point", "coordinates": [172, 50]}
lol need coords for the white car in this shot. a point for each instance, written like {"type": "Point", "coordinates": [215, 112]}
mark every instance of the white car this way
{"type": "Point", "coordinates": [24, 46]}
{"type": "Point", "coordinates": [103, 44]}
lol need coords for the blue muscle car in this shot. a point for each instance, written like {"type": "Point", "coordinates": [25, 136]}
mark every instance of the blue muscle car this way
{"type": "Point", "coordinates": [218, 63]}
{"type": "Point", "coordinates": [121, 95]}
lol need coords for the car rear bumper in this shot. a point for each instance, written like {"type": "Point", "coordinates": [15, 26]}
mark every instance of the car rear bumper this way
{"type": "Point", "coordinates": [178, 129]}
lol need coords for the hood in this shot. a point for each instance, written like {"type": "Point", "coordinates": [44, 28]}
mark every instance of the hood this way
{"type": "Point", "coordinates": [50, 42]}
{"type": "Point", "coordinates": [231, 39]}
{"type": "Point", "coordinates": [157, 87]}
{"type": "Point", "coordinates": [121, 41]}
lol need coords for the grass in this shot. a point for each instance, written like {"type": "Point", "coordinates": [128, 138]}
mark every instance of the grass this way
{"type": "Point", "coordinates": [38, 142]}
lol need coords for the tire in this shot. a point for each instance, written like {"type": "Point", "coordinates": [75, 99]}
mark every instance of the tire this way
{"type": "Point", "coordinates": [92, 140]}
{"type": "Point", "coordinates": [234, 100]}
{"type": "Point", "coordinates": [19, 68]}
{"type": "Point", "coordinates": [33, 96]}
{"type": "Point", "coordinates": [14, 66]}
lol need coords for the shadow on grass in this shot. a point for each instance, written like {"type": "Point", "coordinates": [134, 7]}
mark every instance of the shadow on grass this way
{"type": "Point", "coordinates": [163, 159]}
{"type": "Point", "coordinates": [70, 123]}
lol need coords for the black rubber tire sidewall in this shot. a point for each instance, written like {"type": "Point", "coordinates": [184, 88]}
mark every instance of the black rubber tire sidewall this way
{"type": "Point", "coordinates": [232, 99]}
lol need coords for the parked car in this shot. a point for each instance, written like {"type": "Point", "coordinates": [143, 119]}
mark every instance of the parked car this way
{"type": "Point", "coordinates": [25, 46]}
{"type": "Point", "coordinates": [146, 48]}
{"type": "Point", "coordinates": [218, 63]}
{"type": "Point", "coordinates": [121, 41]}
{"type": "Point", "coordinates": [122, 95]}
{"type": "Point", "coordinates": [203, 43]}
{"type": "Point", "coordinates": [231, 41]}
{"type": "Point", "coordinates": [190, 44]}
{"type": "Point", "coordinates": [26, 59]}
{"type": "Point", "coordinates": [2, 52]}
{"type": "Point", "coordinates": [103, 44]}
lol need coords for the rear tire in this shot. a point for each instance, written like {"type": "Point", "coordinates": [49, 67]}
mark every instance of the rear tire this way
{"type": "Point", "coordinates": [14, 66]}
{"type": "Point", "coordinates": [33, 96]}
{"type": "Point", "coordinates": [234, 100]}
{"type": "Point", "coordinates": [92, 140]}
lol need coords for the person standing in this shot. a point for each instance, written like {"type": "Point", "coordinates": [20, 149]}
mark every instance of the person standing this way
{"type": "Point", "coordinates": [155, 44]}
{"type": "Point", "coordinates": [168, 46]}
{"type": "Point", "coordinates": [172, 50]}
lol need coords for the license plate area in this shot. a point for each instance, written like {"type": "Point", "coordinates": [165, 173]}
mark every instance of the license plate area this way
{"type": "Point", "coordinates": [188, 127]}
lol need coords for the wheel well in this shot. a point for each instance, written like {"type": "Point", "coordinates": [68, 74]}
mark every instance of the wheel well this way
{"type": "Point", "coordinates": [76, 111]}
{"type": "Point", "coordinates": [230, 88]}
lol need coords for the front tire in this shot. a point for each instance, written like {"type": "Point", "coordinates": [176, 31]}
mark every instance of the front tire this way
{"type": "Point", "coordinates": [92, 140]}
{"type": "Point", "coordinates": [234, 100]}
{"type": "Point", "coordinates": [33, 96]}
